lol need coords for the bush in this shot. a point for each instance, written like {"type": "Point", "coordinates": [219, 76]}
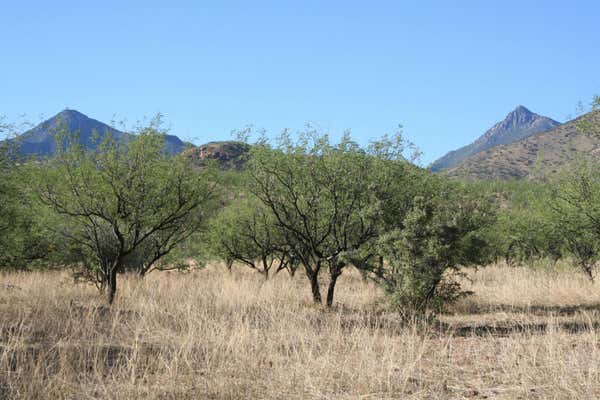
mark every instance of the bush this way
{"type": "Point", "coordinates": [441, 234]}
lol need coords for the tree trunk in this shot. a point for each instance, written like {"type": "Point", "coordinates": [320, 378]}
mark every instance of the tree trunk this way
{"type": "Point", "coordinates": [588, 269]}
{"type": "Point", "coordinates": [334, 273]}
{"type": "Point", "coordinates": [313, 277]}
{"type": "Point", "coordinates": [142, 272]}
{"type": "Point", "coordinates": [314, 287]}
{"type": "Point", "coordinates": [381, 265]}
{"type": "Point", "coordinates": [291, 271]}
{"type": "Point", "coordinates": [266, 268]}
{"type": "Point", "coordinates": [112, 284]}
{"type": "Point", "coordinates": [364, 274]}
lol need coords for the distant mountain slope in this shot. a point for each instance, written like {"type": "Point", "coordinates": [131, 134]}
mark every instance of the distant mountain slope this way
{"type": "Point", "coordinates": [228, 155]}
{"type": "Point", "coordinates": [518, 124]}
{"type": "Point", "coordinates": [41, 140]}
{"type": "Point", "coordinates": [547, 151]}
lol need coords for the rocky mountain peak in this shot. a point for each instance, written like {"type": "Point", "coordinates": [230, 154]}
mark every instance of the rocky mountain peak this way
{"type": "Point", "coordinates": [517, 125]}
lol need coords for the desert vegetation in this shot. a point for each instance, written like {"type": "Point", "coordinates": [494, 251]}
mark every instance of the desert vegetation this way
{"type": "Point", "coordinates": [313, 269]}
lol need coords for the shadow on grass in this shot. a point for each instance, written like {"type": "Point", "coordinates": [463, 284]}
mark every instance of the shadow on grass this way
{"type": "Point", "coordinates": [537, 310]}
{"type": "Point", "coordinates": [508, 329]}
{"type": "Point", "coordinates": [394, 324]}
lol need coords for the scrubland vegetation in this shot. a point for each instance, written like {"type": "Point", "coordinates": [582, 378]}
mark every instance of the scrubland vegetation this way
{"type": "Point", "coordinates": [317, 269]}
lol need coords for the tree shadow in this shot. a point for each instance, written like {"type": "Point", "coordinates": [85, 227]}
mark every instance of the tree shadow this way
{"type": "Point", "coordinates": [394, 324]}
{"type": "Point", "coordinates": [504, 330]}
{"type": "Point", "coordinates": [537, 310]}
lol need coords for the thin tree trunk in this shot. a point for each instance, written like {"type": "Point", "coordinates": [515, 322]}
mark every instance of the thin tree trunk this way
{"type": "Point", "coordinates": [334, 274]}
{"type": "Point", "coordinates": [112, 284]}
{"type": "Point", "coordinates": [313, 277]}
{"type": "Point", "coordinates": [588, 269]}
{"type": "Point", "coordinates": [364, 274]}
{"type": "Point", "coordinates": [291, 271]}
{"type": "Point", "coordinates": [314, 287]}
{"type": "Point", "coordinates": [266, 268]}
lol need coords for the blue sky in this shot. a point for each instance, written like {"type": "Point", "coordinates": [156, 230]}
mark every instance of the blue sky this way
{"type": "Point", "coordinates": [446, 70]}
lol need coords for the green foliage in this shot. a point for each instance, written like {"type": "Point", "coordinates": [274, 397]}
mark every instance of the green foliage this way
{"type": "Point", "coordinates": [245, 231]}
{"type": "Point", "coordinates": [575, 212]}
{"type": "Point", "coordinates": [439, 235]}
{"type": "Point", "coordinates": [338, 205]}
{"type": "Point", "coordinates": [590, 126]}
{"type": "Point", "coordinates": [8, 201]}
{"type": "Point", "coordinates": [22, 242]}
{"type": "Point", "coordinates": [328, 200]}
{"type": "Point", "coordinates": [124, 206]}
{"type": "Point", "coordinates": [522, 232]}
{"type": "Point", "coordinates": [323, 206]}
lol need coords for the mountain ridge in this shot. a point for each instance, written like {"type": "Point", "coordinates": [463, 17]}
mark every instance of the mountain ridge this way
{"type": "Point", "coordinates": [517, 125]}
{"type": "Point", "coordinates": [41, 139]}
{"type": "Point", "coordinates": [546, 153]}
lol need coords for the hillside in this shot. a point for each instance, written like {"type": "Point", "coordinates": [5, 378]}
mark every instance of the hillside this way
{"type": "Point", "coordinates": [546, 151]}
{"type": "Point", "coordinates": [518, 124]}
{"type": "Point", "coordinates": [41, 140]}
{"type": "Point", "coordinates": [228, 155]}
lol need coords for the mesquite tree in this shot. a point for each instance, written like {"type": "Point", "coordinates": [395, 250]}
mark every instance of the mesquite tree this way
{"type": "Point", "coordinates": [574, 210]}
{"type": "Point", "coordinates": [326, 199]}
{"type": "Point", "coordinates": [22, 240]}
{"type": "Point", "coordinates": [7, 192]}
{"type": "Point", "coordinates": [245, 231]}
{"type": "Point", "coordinates": [575, 201]}
{"type": "Point", "coordinates": [9, 197]}
{"type": "Point", "coordinates": [125, 204]}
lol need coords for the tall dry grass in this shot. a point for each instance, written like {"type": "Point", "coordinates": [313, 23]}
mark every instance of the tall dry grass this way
{"type": "Point", "coordinates": [524, 334]}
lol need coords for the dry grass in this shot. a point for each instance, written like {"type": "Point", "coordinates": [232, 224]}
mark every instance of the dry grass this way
{"type": "Point", "coordinates": [524, 335]}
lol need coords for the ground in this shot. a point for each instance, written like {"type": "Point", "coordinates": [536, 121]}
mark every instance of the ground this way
{"type": "Point", "coordinates": [526, 333]}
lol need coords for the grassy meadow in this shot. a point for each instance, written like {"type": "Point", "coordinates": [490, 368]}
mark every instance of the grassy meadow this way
{"type": "Point", "coordinates": [525, 333]}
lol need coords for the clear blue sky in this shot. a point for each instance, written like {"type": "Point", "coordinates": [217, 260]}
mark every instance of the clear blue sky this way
{"type": "Point", "coordinates": [446, 70]}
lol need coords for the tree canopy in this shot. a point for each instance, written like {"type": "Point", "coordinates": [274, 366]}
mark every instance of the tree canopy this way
{"type": "Point", "coordinates": [125, 205]}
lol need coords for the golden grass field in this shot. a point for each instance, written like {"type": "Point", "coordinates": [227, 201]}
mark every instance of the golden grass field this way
{"type": "Point", "coordinates": [525, 334]}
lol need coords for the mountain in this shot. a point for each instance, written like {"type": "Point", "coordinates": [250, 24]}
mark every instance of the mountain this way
{"type": "Point", "coordinates": [518, 124]}
{"type": "Point", "coordinates": [540, 154]}
{"type": "Point", "coordinates": [41, 140]}
{"type": "Point", "coordinates": [228, 155]}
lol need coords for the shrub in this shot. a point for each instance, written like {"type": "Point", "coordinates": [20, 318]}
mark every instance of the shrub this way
{"type": "Point", "coordinates": [440, 235]}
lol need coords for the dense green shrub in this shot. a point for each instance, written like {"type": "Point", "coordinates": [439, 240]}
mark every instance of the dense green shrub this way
{"type": "Point", "coordinates": [441, 234]}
